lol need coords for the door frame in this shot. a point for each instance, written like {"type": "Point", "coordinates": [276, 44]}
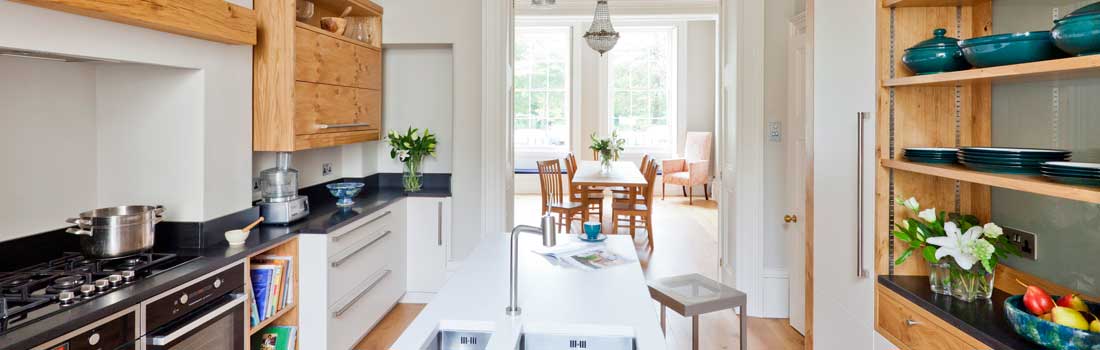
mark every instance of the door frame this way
{"type": "Point", "coordinates": [809, 219]}
{"type": "Point", "coordinates": [796, 158]}
{"type": "Point", "coordinates": [741, 88]}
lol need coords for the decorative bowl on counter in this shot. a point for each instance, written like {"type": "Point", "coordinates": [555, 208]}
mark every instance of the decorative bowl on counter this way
{"type": "Point", "coordinates": [1011, 48]}
{"type": "Point", "coordinates": [345, 191]}
{"type": "Point", "coordinates": [1078, 33]}
{"type": "Point", "coordinates": [936, 55]}
{"type": "Point", "coordinates": [1046, 333]}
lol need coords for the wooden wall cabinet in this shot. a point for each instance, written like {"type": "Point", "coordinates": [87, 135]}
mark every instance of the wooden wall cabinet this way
{"type": "Point", "coordinates": [313, 88]}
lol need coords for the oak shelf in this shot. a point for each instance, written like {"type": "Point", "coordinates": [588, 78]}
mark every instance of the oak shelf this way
{"type": "Point", "coordinates": [926, 3]}
{"type": "Point", "coordinates": [271, 319]}
{"type": "Point", "coordinates": [1064, 68]}
{"type": "Point", "coordinates": [1024, 183]}
{"type": "Point", "coordinates": [317, 30]}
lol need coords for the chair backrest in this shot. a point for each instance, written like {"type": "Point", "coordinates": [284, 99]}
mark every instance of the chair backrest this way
{"type": "Point", "coordinates": [571, 171]}
{"type": "Point", "coordinates": [645, 160]}
{"type": "Point", "coordinates": [550, 181]}
{"type": "Point", "coordinates": [697, 146]}
{"type": "Point", "coordinates": [650, 174]}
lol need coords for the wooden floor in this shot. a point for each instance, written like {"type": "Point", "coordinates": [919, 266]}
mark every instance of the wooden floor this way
{"type": "Point", "coordinates": [685, 241]}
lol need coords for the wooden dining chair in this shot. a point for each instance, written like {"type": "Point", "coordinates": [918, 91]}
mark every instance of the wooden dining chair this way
{"type": "Point", "coordinates": [595, 196]}
{"type": "Point", "coordinates": [635, 211]}
{"type": "Point", "coordinates": [641, 168]}
{"type": "Point", "coordinates": [553, 196]}
{"type": "Point", "coordinates": [624, 193]}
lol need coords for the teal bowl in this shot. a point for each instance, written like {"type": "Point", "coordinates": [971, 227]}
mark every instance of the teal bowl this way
{"type": "Point", "coordinates": [937, 55]}
{"type": "Point", "coordinates": [1078, 35]}
{"type": "Point", "coordinates": [1049, 334]}
{"type": "Point", "coordinates": [1012, 48]}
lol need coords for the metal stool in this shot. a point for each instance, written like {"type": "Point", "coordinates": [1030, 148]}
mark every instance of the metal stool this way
{"type": "Point", "coordinates": [693, 295]}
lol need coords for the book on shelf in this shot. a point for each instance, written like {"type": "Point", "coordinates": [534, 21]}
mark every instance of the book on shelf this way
{"type": "Point", "coordinates": [272, 287]}
{"type": "Point", "coordinates": [261, 282]}
{"type": "Point", "coordinates": [275, 338]}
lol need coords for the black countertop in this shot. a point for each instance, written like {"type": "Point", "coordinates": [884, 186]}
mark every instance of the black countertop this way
{"type": "Point", "coordinates": [324, 217]}
{"type": "Point", "coordinates": [983, 320]}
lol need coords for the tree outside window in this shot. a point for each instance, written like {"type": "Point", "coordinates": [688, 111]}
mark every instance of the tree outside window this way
{"type": "Point", "coordinates": [641, 85]}
{"type": "Point", "coordinates": [541, 100]}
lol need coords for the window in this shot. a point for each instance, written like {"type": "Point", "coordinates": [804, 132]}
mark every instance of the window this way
{"type": "Point", "coordinates": [641, 87]}
{"type": "Point", "coordinates": [542, 72]}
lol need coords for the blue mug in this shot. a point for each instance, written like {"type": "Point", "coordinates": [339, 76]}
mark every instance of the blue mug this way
{"type": "Point", "coordinates": [592, 229]}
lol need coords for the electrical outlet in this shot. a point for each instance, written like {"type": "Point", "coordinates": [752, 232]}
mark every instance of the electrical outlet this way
{"type": "Point", "coordinates": [774, 133]}
{"type": "Point", "coordinates": [1024, 240]}
{"type": "Point", "coordinates": [326, 169]}
{"type": "Point", "coordinates": [255, 184]}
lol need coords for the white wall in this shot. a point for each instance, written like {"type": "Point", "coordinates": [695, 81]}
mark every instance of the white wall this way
{"type": "Point", "coordinates": [419, 94]}
{"type": "Point", "coordinates": [213, 150]}
{"type": "Point", "coordinates": [47, 146]}
{"type": "Point", "coordinates": [776, 24]}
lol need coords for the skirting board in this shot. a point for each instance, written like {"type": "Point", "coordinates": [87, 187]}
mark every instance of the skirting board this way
{"type": "Point", "coordinates": [776, 303]}
{"type": "Point", "coordinates": [417, 298]}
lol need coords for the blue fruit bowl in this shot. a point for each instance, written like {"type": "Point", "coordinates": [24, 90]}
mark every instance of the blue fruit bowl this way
{"type": "Point", "coordinates": [1012, 48]}
{"type": "Point", "coordinates": [1046, 333]}
{"type": "Point", "coordinates": [345, 191]}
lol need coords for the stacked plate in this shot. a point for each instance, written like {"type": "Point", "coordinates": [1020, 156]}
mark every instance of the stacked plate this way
{"type": "Point", "coordinates": [932, 155]}
{"type": "Point", "coordinates": [1087, 174]}
{"type": "Point", "coordinates": [1009, 160]}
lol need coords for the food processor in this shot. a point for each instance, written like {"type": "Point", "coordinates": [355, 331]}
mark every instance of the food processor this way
{"type": "Point", "coordinates": [279, 187]}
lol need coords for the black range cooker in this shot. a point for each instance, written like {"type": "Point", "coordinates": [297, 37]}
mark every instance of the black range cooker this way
{"type": "Point", "coordinates": [207, 312]}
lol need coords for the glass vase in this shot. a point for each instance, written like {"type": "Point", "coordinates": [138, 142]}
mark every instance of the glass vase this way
{"type": "Point", "coordinates": [605, 162]}
{"type": "Point", "coordinates": [412, 175]}
{"type": "Point", "coordinates": [939, 277]}
{"type": "Point", "coordinates": [969, 285]}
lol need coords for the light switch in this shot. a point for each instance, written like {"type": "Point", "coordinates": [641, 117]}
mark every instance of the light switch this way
{"type": "Point", "coordinates": [774, 134]}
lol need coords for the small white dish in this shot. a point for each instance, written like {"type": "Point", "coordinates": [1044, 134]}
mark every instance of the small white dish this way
{"type": "Point", "coordinates": [236, 237]}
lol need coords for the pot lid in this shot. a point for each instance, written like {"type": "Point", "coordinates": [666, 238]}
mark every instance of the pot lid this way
{"type": "Point", "coordinates": [939, 40]}
{"type": "Point", "coordinates": [1091, 9]}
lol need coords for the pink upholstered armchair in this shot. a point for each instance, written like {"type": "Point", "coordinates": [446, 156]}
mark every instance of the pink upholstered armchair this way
{"type": "Point", "coordinates": [691, 170]}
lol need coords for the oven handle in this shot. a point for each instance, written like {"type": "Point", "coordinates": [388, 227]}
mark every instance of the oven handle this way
{"type": "Point", "coordinates": [162, 340]}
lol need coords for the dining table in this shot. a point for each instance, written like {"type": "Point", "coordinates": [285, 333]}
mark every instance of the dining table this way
{"type": "Point", "coordinates": [591, 176]}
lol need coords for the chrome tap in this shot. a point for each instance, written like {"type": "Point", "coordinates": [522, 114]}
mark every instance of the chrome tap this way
{"type": "Point", "coordinates": [549, 239]}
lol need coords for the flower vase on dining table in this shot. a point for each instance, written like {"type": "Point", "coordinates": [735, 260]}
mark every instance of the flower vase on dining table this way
{"type": "Point", "coordinates": [605, 163]}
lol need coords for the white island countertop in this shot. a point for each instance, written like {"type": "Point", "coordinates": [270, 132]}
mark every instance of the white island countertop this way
{"type": "Point", "coordinates": [548, 294]}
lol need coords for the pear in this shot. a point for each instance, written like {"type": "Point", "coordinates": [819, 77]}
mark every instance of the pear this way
{"type": "Point", "coordinates": [1069, 317]}
{"type": "Point", "coordinates": [1047, 317]}
{"type": "Point", "coordinates": [1073, 301]}
{"type": "Point", "coordinates": [1094, 326]}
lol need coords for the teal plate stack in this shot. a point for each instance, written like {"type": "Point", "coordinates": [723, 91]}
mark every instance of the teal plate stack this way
{"type": "Point", "coordinates": [932, 155]}
{"type": "Point", "coordinates": [1086, 174]}
{"type": "Point", "coordinates": [1008, 160]}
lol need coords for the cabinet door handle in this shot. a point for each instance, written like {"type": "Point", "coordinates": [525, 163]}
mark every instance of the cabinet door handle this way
{"type": "Point", "coordinates": [364, 289]}
{"type": "Point", "coordinates": [348, 125]}
{"type": "Point", "coordinates": [344, 234]}
{"type": "Point", "coordinates": [341, 260]}
{"type": "Point", "coordinates": [911, 323]}
{"type": "Point", "coordinates": [860, 271]}
{"type": "Point", "coordinates": [439, 226]}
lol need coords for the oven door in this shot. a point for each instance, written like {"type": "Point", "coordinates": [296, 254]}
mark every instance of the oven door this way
{"type": "Point", "coordinates": [217, 326]}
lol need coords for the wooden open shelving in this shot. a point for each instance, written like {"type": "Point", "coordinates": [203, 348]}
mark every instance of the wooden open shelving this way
{"type": "Point", "coordinates": [1025, 183]}
{"type": "Point", "coordinates": [1065, 68]}
{"type": "Point", "coordinates": [927, 3]}
{"type": "Point", "coordinates": [288, 316]}
{"type": "Point", "coordinates": [320, 31]}
{"type": "Point", "coordinates": [273, 318]}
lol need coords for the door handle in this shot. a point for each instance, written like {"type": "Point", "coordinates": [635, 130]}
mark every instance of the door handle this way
{"type": "Point", "coordinates": [439, 225]}
{"type": "Point", "coordinates": [790, 218]}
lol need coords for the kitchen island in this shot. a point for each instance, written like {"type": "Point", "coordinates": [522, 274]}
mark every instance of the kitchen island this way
{"type": "Point", "coordinates": [548, 294]}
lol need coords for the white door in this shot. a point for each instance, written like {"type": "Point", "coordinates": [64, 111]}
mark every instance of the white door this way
{"type": "Point", "coordinates": [796, 173]}
{"type": "Point", "coordinates": [844, 85]}
{"type": "Point", "coordinates": [427, 231]}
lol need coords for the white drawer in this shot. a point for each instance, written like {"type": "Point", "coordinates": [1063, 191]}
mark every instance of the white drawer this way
{"type": "Point", "coordinates": [368, 252]}
{"type": "Point", "coordinates": [353, 315]}
{"type": "Point", "coordinates": [347, 236]}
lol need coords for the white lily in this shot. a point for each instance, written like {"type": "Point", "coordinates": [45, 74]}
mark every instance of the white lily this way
{"type": "Point", "coordinates": [993, 231]}
{"type": "Point", "coordinates": [957, 244]}
{"type": "Point", "coordinates": [402, 155]}
{"type": "Point", "coordinates": [911, 203]}
{"type": "Point", "coordinates": [928, 215]}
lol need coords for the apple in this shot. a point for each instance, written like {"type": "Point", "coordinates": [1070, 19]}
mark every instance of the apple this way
{"type": "Point", "coordinates": [1073, 301]}
{"type": "Point", "coordinates": [1069, 317]}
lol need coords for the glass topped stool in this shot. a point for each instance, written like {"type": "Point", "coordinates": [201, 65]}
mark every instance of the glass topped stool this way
{"type": "Point", "coordinates": [693, 295]}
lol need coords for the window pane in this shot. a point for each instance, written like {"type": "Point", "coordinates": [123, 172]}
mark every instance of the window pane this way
{"type": "Point", "coordinates": [542, 70]}
{"type": "Point", "coordinates": [641, 86]}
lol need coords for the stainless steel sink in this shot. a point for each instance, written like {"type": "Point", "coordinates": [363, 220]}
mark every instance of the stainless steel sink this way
{"type": "Point", "coordinates": [460, 335]}
{"type": "Point", "coordinates": [538, 336]}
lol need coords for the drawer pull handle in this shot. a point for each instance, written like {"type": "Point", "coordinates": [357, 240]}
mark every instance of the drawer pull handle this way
{"type": "Point", "coordinates": [341, 235]}
{"type": "Point", "coordinates": [911, 323]}
{"type": "Point", "coordinates": [349, 125]}
{"type": "Point", "coordinates": [341, 260]}
{"type": "Point", "coordinates": [366, 287]}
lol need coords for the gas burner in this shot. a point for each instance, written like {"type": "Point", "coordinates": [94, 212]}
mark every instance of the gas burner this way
{"type": "Point", "coordinates": [68, 282]}
{"type": "Point", "coordinates": [14, 283]}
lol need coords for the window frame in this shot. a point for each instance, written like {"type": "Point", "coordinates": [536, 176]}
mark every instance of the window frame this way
{"type": "Point", "coordinates": [569, 103]}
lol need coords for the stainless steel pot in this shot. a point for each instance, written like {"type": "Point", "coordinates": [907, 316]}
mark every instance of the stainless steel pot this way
{"type": "Point", "coordinates": [116, 231]}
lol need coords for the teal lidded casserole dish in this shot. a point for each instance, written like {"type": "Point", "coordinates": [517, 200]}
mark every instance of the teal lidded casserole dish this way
{"type": "Point", "coordinates": [936, 55]}
{"type": "Point", "coordinates": [1011, 48]}
{"type": "Point", "coordinates": [1078, 33]}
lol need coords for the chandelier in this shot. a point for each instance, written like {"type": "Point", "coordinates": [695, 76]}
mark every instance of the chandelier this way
{"type": "Point", "coordinates": [543, 3]}
{"type": "Point", "coordinates": [601, 36]}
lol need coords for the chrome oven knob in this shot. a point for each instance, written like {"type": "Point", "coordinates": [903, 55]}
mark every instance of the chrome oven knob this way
{"type": "Point", "coordinates": [93, 339]}
{"type": "Point", "coordinates": [128, 276]}
{"type": "Point", "coordinates": [87, 290]}
{"type": "Point", "coordinates": [183, 299]}
{"type": "Point", "coordinates": [217, 283]}
{"type": "Point", "coordinates": [66, 298]}
{"type": "Point", "coordinates": [115, 280]}
{"type": "Point", "coordinates": [101, 285]}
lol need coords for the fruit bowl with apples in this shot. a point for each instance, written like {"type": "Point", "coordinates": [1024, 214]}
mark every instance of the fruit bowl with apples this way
{"type": "Point", "coordinates": [1060, 323]}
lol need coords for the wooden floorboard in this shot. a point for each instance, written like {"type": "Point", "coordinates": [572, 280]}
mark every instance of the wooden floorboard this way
{"type": "Point", "coordinates": [685, 241]}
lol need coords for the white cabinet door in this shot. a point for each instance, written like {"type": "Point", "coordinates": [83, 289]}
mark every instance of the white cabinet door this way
{"type": "Point", "coordinates": [844, 85]}
{"type": "Point", "coordinates": [428, 232]}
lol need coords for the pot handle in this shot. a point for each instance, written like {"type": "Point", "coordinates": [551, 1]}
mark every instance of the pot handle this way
{"type": "Point", "coordinates": [159, 212]}
{"type": "Point", "coordinates": [79, 222]}
{"type": "Point", "coordinates": [78, 232]}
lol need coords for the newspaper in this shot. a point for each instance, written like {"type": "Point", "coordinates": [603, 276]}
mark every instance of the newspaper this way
{"type": "Point", "coordinates": [582, 256]}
